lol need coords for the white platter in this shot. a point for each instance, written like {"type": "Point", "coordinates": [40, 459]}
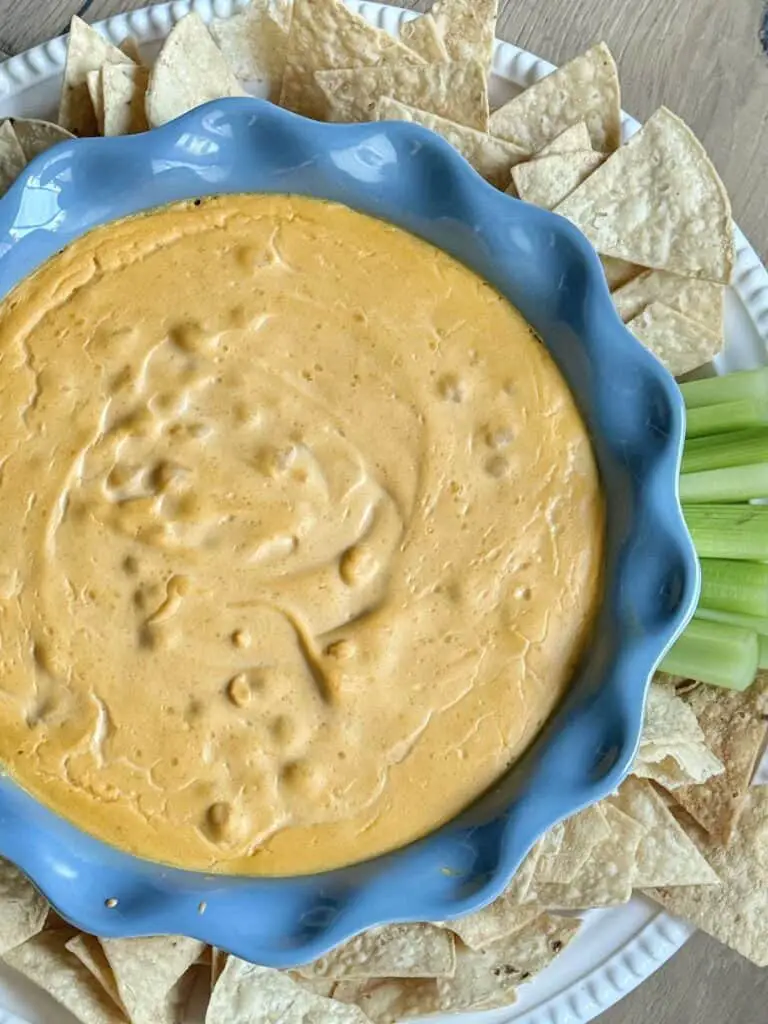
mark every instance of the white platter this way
{"type": "Point", "coordinates": [617, 948]}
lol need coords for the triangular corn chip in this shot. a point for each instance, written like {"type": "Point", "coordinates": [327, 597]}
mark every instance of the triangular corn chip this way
{"type": "Point", "coordinates": [421, 35]}
{"type": "Point", "coordinates": [679, 343]}
{"type": "Point", "coordinates": [468, 28]}
{"type": "Point", "coordinates": [547, 180]}
{"type": "Point", "coordinates": [87, 51]}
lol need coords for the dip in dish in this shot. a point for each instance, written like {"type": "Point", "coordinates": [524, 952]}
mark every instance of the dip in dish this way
{"type": "Point", "coordinates": [302, 535]}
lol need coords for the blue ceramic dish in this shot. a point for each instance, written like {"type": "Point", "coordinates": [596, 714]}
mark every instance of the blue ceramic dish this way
{"type": "Point", "coordinates": [408, 176]}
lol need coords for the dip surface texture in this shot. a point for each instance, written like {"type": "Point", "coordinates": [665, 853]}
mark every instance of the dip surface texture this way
{"type": "Point", "coordinates": [301, 535]}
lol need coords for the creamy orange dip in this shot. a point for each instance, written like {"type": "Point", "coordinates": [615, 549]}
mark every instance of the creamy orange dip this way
{"type": "Point", "coordinates": [301, 535]}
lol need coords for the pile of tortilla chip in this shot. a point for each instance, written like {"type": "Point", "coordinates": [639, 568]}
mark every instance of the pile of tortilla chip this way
{"type": "Point", "coordinates": [686, 827]}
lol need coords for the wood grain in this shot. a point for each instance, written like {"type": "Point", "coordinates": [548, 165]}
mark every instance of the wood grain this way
{"type": "Point", "coordinates": [703, 59]}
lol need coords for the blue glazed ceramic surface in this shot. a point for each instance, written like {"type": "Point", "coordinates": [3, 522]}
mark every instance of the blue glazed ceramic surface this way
{"type": "Point", "coordinates": [408, 176]}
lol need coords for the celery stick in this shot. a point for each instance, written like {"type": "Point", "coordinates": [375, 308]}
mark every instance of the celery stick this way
{"type": "Point", "coordinates": [697, 444]}
{"type": "Point", "coordinates": [737, 483]}
{"type": "Point", "coordinates": [762, 654]}
{"type": "Point", "coordinates": [732, 586]}
{"type": "Point", "coordinates": [742, 448]}
{"type": "Point", "coordinates": [714, 653]}
{"type": "Point", "coordinates": [731, 387]}
{"type": "Point", "coordinates": [726, 416]}
{"type": "Point", "coordinates": [750, 622]}
{"type": "Point", "coordinates": [729, 531]}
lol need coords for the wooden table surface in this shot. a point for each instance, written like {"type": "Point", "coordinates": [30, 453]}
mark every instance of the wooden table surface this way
{"type": "Point", "coordinates": [704, 60]}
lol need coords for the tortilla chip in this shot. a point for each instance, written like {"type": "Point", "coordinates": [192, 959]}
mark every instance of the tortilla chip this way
{"type": "Point", "coordinates": [701, 301]}
{"type": "Point", "coordinates": [619, 272]}
{"type": "Point", "coordinates": [468, 28]}
{"type": "Point", "coordinates": [673, 750]}
{"type": "Point", "coordinates": [318, 986]}
{"type": "Point", "coordinates": [394, 951]}
{"type": "Point", "coordinates": [47, 962]}
{"type": "Point", "coordinates": [325, 35]}
{"type": "Point", "coordinates": [581, 833]}
{"type": "Point", "coordinates": [90, 953]}
{"type": "Point", "coordinates": [493, 158]}
{"type": "Point", "coordinates": [22, 909]}
{"type": "Point", "coordinates": [506, 914]}
{"type": "Point", "coordinates": [457, 92]}
{"type": "Point", "coordinates": [421, 36]}
{"type": "Point", "coordinates": [87, 51]}
{"type": "Point", "coordinates": [606, 878]}
{"type": "Point", "coordinates": [547, 180]}
{"type": "Point", "coordinates": [665, 856]}
{"type": "Point", "coordinates": [678, 342]}
{"type": "Point", "coordinates": [736, 911]}
{"type": "Point", "coordinates": [93, 80]}
{"type": "Point", "coordinates": [189, 70]}
{"type": "Point", "coordinates": [35, 136]}
{"type": "Point", "coordinates": [586, 89]}
{"type": "Point", "coordinates": [146, 972]}
{"type": "Point", "coordinates": [248, 994]}
{"type": "Point", "coordinates": [124, 92]}
{"type": "Point", "coordinates": [130, 47]}
{"type": "Point", "coordinates": [488, 978]}
{"type": "Point", "coordinates": [658, 202]}
{"type": "Point", "coordinates": [571, 140]}
{"type": "Point", "coordinates": [255, 43]}
{"type": "Point", "coordinates": [12, 159]}
{"type": "Point", "coordinates": [735, 731]}
{"type": "Point", "coordinates": [389, 1000]}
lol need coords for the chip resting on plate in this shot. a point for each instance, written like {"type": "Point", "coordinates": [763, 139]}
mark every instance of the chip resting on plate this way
{"type": "Point", "coordinates": [87, 51]}
{"type": "Point", "coordinates": [547, 180]}
{"type": "Point", "coordinates": [586, 89]}
{"type": "Point", "coordinates": [12, 158]}
{"type": "Point", "coordinates": [666, 855]}
{"type": "Point", "coordinates": [422, 36]}
{"type": "Point", "coordinates": [697, 299]}
{"type": "Point", "coordinates": [393, 951]}
{"type": "Point", "coordinates": [146, 973]}
{"type": "Point", "coordinates": [189, 70]}
{"type": "Point", "coordinates": [325, 35]}
{"type": "Point", "coordinates": [455, 91]}
{"type": "Point", "coordinates": [673, 750]}
{"type": "Point", "coordinates": [124, 90]}
{"type": "Point", "coordinates": [735, 729]}
{"type": "Point", "coordinates": [658, 201]}
{"type": "Point", "coordinates": [468, 28]}
{"type": "Point", "coordinates": [255, 42]}
{"type": "Point", "coordinates": [35, 136]}
{"type": "Point", "coordinates": [491, 157]}
{"type": "Point", "coordinates": [571, 140]}
{"type": "Point", "coordinates": [736, 911]}
{"type": "Point", "coordinates": [247, 994]}
{"type": "Point", "coordinates": [678, 342]}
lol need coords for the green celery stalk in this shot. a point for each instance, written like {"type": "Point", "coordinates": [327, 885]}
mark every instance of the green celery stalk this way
{"type": "Point", "coordinates": [706, 420]}
{"type": "Point", "coordinates": [731, 387]}
{"type": "Point", "coordinates": [740, 448]}
{"type": "Point", "coordinates": [762, 654]}
{"type": "Point", "coordinates": [737, 483]}
{"type": "Point", "coordinates": [732, 586]}
{"type": "Point", "coordinates": [750, 622]}
{"type": "Point", "coordinates": [714, 653]}
{"type": "Point", "coordinates": [729, 531]}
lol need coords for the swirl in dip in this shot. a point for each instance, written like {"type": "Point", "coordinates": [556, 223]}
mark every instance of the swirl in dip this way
{"type": "Point", "coordinates": [302, 535]}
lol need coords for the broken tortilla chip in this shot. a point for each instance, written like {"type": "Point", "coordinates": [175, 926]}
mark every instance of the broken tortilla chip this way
{"type": "Point", "coordinates": [586, 89]}
{"type": "Point", "coordinates": [699, 300]}
{"type": "Point", "coordinates": [658, 201]}
{"type": "Point", "coordinates": [12, 158]}
{"type": "Point", "coordinates": [22, 909]}
{"type": "Point", "coordinates": [421, 35]}
{"type": "Point", "coordinates": [324, 35]}
{"type": "Point", "coordinates": [547, 180]}
{"type": "Point", "coordinates": [146, 972]}
{"type": "Point", "coordinates": [87, 51]}
{"type": "Point", "coordinates": [255, 42]}
{"type": "Point", "coordinates": [678, 342]}
{"type": "Point", "coordinates": [734, 912]}
{"type": "Point", "coordinates": [189, 70]}
{"type": "Point", "coordinates": [248, 994]}
{"type": "Point", "coordinates": [735, 730]}
{"type": "Point", "coordinates": [467, 28]}
{"type": "Point", "coordinates": [665, 856]}
{"type": "Point", "coordinates": [393, 951]}
{"type": "Point", "coordinates": [456, 92]}
{"type": "Point", "coordinates": [606, 878]}
{"type": "Point", "coordinates": [571, 140]}
{"type": "Point", "coordinates": [124, 90]}
{"type": "Point", "coordinates": [47, 962]}
{"type": "Point", "coordinates": [493, 158]}
{"type": "Point", "coordinates": [35, 136]}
